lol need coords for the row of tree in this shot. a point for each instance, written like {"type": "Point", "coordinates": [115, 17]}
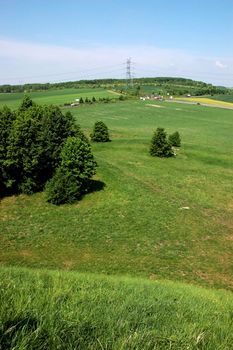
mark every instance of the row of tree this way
{"type": "Point", "coordinates": [167, 82]}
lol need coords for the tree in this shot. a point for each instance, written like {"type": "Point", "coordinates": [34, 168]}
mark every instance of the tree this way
{"type": "Point", "coordinates": [93, 99]}
{"type": "Point", "coordinates": [72, 177]}
{"type": "Point", "coordinates": [35, 142]}
{"type": "Point", "coordinates": [7, 118]}
{"type": "Point", "coordinates": [100, 132]}
{"type": "Point", "coordinates": [81, 100]}
{"type": "Point", "coordinates": [26, 103]}
{"type": "Point", "coordinates": [174, 139]}
{"type": "Point", "coordinates": [160, 147]}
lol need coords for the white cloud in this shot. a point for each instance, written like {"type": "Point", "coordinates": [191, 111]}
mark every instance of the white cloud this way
{"type": "Point", "coordinates": [22, 62]}
{"type": "Point", "coordinates": [219, 64]}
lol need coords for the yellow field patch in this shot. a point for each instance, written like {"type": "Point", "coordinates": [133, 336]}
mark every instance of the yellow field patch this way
{"type": "Point", "coordinates": [207, 101]}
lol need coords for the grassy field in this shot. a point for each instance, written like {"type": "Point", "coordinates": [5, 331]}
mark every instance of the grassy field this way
{"type": "Point", "coordinates": [58, 97]}
{"type": "Point", "coordinates": [133, 222]}
{"type": "Point", "coordinates": [54, 310]}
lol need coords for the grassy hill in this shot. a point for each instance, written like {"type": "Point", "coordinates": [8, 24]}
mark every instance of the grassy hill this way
{"type": "Point", "coordinates": [54, 310]}
{"type": "Point", "coordinates": [134, 222]}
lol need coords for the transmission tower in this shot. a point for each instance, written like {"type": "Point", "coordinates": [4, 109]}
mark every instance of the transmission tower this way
{"type": "Point", "coordinates": [129, 76]}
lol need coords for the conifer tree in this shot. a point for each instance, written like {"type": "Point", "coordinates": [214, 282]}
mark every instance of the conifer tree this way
{"type": "Point", "coordinates": [72, 177]}
{"type": "Point", "coordinates": [160, 147]}
{"type": "Point", "coordinates": [100, 132]}
{"type": "Point", "coordinates": [174, 139]}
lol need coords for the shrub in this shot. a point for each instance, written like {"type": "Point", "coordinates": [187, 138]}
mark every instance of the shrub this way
{"type": "Point", "coordinates": [72, 177]}
{"type": "Point", "coordinates": [100, 132]}
{"type": "Point", "coordinates": [174, 139]}
{"type": "Point", "coordinates": [160, 147]}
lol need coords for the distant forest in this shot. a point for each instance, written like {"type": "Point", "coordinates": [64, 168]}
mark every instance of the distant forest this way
{"type": "Point", "coordinates": [175, 86]}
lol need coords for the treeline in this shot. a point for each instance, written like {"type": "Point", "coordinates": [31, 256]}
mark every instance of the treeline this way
{"type": "Point", "coordinates": [169, 84]}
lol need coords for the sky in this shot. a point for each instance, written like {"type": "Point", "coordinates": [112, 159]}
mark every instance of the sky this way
{"type": "Point", "coordinates": [63, 40]}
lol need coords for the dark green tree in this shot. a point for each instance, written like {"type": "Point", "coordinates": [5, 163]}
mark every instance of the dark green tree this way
{"type": "Point", "coordinates": [160, 147]}
{"type": "Point", "coordinates": [26, 103]}
{"type": "Point", "coordinates": [174, 139]}
{"type": "Point", "coordinates": [72, 177]}
{"type": "Point", "coordinates": [35, 142]}
{"type": "Point", "coordinates": [7, 118]}
{"type": "Point", "coordinates": [93, 99]}
{"type": "Point", "coordinates": [100, 132]}
{"type": "Point", "coordinates": [81, 100]}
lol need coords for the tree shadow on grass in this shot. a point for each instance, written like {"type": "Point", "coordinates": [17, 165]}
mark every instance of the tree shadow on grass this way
{"type": "Point", "coordinates": [95, 186]}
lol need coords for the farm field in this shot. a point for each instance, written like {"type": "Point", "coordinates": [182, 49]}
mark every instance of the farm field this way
{"type": "Point", "coordinates": [58, 97]}
{"type": "Point", "coordinates": [208, 101]}
{"type": "Point", "coordinates": [225, 98]}
{"type": "Point", "coordinates": [146, 217]}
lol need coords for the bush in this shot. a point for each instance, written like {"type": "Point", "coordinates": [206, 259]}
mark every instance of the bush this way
{"type": "Point", "coordinates": [160, 147]}
{"type": "Point", "coordinates": [72, 177]}
{"type": "Point", "coordinates": [174, 139]}
{"type": "Point", "coordinates": [100, 132]}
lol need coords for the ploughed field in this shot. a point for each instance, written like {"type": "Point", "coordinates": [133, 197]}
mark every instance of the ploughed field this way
{"type": "Point", "coordinates": [150, 217]}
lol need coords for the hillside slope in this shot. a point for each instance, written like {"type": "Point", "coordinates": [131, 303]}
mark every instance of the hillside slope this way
{"type": "Point", "coordinates": [54, 310]}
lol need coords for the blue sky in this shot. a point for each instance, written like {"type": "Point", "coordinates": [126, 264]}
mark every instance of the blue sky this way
{"type": "Point", "coordinates": [67, 40]}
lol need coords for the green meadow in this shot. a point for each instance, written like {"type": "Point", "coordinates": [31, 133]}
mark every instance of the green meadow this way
{"type": "Point", "coordinates": [58, 97]}
{"type": "Point", "coordinates": [144, 260]}
{"type": "Point", "coordinates": [145, 216]}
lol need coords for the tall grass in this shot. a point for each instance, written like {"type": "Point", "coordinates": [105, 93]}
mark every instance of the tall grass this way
{"type": "Point", "coordinates": [54, 310]}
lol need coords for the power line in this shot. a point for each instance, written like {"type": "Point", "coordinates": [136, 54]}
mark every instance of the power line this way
{"type": "Point", "coordinates": [101, 69]}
